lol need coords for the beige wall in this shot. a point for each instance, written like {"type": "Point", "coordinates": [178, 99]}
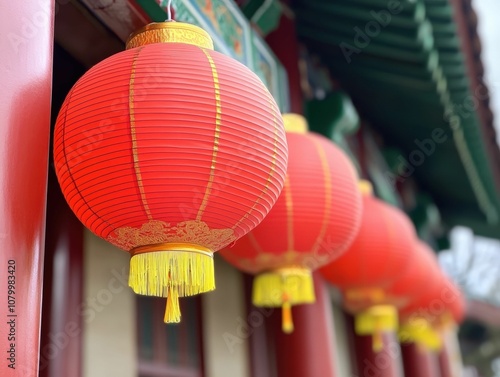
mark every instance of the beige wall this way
{"type": "Point", "coordinates": [342, 351]}
{"type": "Point", "coordinates": [108, 313]}
{"type": "Point", "coordinates": [225, 342]}
{"type": "Point", "coordinates": [109, 317]}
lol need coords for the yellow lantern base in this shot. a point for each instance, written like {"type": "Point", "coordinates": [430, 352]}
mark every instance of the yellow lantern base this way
{"type": "Point", "coordinates": [421, 332]}
{"type": "Point", "coordinates": [375, 321]}
{"type": "Point", "coordinates": [283, 288]}
{"type": "Point", "coordinates": [172, 270]}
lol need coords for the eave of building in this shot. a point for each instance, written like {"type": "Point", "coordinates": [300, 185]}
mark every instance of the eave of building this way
{"type": "Point", "coordinates": [415, 73]}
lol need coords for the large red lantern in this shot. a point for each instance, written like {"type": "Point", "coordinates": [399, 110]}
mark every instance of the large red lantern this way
{"type": "Point", "coordinates": [379, 255]}
{"type": "Point", "coordinates": [439, 305]}
{"type": "Point", "coordinates": [423, 276]}
{"type": "Point", "coordinates": [441, 302]}
{"type": "Point", "coordinates": [170, 151]}
{"type": "Point", "coordinates": [313, 222]}
{"type": "Point", "coordinates": [424, 266]}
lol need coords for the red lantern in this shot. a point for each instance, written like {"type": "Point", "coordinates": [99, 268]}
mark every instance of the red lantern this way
{"type": "Point", "coordinates": [170, 151]}
{"type": "Point", "coordinates": [441, 302]}
{"type": "Point", "coordinates": [456, 306]}
{"type": "Point", "coordinates": [410, 285]}
{"type": "Point", "coordinates": [379, 255]}
{"type": "Point", "coordinates": [440, 305]}
{"type": "Point", "coordinates": [313, 222]}
{"type": "Point", "coordinates": [423, 276]}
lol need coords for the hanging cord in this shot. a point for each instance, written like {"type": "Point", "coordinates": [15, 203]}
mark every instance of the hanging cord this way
{"type": "Point", "coordinates": [169, 10]}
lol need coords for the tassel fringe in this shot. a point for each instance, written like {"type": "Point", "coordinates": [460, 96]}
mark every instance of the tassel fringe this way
{"type": "Point", "coordinates": [284, 288]}
{"type": "Point", "coordinates": [172, 273]}
{"type": "Point", "coordinates": [286, 318]}
{"type": "Point", "coordinates": [375, 321]}
{"type": "Point", "coordinates": [292, 285]}
{"type": "Point", "coordinates": [421, 332]}
{"type": "Point", "coordinates": [172, 311]}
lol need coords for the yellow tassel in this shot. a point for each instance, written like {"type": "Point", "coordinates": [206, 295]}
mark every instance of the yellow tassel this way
{"type": "Point", "coordinates": [375, 321]}
{"type": "Point", "coordinates": [172, 271]}
{"type": "Point", "coordinates": [378, 341]}
{"type": "Point", "coordinates": [173, 311]}
{"type": "Point", "coordinates": [421, 332]}
{"type": "Point", "coordinates": [286, 318]}
{"type": "Point", "coordinates": [293, 285]}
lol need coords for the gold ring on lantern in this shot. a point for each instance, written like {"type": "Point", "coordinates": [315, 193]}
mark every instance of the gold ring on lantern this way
{"type": "Point", "coordinates": [170, 32]}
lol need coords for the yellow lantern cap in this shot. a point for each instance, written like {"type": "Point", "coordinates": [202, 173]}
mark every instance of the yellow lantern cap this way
{"type": "Point", "coordinates": [295, 123]}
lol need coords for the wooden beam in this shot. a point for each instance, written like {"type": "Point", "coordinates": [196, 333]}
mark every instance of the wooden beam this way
{"type": "Point", "coordinates": [467, 32]}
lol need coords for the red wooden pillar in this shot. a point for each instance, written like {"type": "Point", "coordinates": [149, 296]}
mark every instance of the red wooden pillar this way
{"type": "Point", "coordinates": [309, 350]}
{"type": "Point", "coordinates": [444, 363]}
{"type": "Point", "coordinates": [419, 362]}
{"type": "Point", "coordinates": [62, 326]}
{"type": "Point", "coordinates": [283, 42]}
{"type": "Point", "coordinates": [26, 44]}
{"type": "Point", "coordinates": [386, 363]}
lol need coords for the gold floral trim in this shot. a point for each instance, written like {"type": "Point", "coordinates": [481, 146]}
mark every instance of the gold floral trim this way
{"type": "Point", "coordinates": [157, 232]}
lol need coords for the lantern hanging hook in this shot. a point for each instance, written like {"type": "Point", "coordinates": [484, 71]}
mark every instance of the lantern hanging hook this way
{"type": "Point", "coordinates": [169, 10]}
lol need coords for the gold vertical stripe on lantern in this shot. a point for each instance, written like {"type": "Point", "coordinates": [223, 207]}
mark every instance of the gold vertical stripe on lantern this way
{"type": "Point", "coordinates": [134, 137]}
{"type": "Point", "coordinates": [289, 212]}
{"type": "Point", "coordinates": [328, 200]}
{"type": "Point", "coordinates": [218, 117]}
{"type": "Point", "coordinates": [255, 243]}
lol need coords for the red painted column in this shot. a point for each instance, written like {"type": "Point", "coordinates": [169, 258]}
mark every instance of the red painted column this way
{"type": "Point", "coordinates": [62, 326]}
{"type": "Point", "coordinates": [386, 363]}
{"type": "Point", "coordinates": [419, 362]}
{"type": "Point", "coordinates": [444, 364]}
{"type": "Point", "coordinates": [26, 44]}
{"type": "Point", "coordinates": [309, 350]}
{"type": "Point", "coordinates": [283, 42]}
